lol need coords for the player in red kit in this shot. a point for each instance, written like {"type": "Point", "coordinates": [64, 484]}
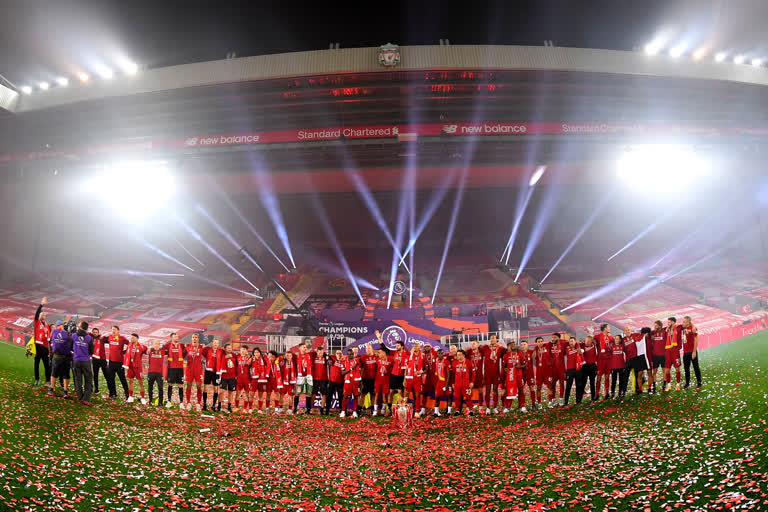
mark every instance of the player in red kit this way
{"type": "Point", "coordinates": [492, 373]}
{"type": "Point", "coordinates": [557, 351]}
{"type": "Point", "coordinates": [243, 384]}
{"type": "Point", "coordinates": [211, 375]}
{"type": "Point", "coordinates": [368, 362]}
{"type": "Point", "coordinates": [174, 352]}
{"type": "Point", "coordinates": [259, 380]}
{"type": "Point", "coordinates": [463, 381]}
{"type": "Point", "coordinates": [132, 363]}
{"type": "Point", "coordinates": [475, 356]}
{"type": "Point", "coordinates": [658, 352]}
{"type": "Point", "coordinates": [543, 368]}
{"type": "Point", "coordinates": [414, 368]}
{"type": "Point", "coordinates": [193, 374]}
{"type": "Point", "coordinates": [114, 351]}
{"type": "Point", "coordinates": [514, 386]}
{"type": "Point", "coordinates": [99, 361]}
{"type": "Point", "coordinates": [690, 338]}
{"type": "Point", "coordinates": [528, 355]}
{"type": "Point", "coordinates": [381, 384]}
{"type": "Point", "coordinates": [427, 384]}
{"type": "Point", "coordinates": [274, 381]}
{"type": "Point", "coordinates": [288, 367]}
{"type": "Point", "coordinates": [672, 355]}
{"type": "Point", "coordinates": [42, 334]}
{"type": "Point", "coordinates": [438, 374]}
{"type": "Point", "coordinates": [303, 377]}
{"type": "Point", "coordinates": [603, 342]}
{"type": "Point", "coordinates": [397, 374]}
{"type": "Point", "coordinates": [352, 378]}
{"type": "Point", "coordinates": [228, 372]}
{"type": "Point", "coordinates": [573, 363]}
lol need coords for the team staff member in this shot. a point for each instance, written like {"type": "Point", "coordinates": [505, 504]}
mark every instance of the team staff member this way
{"type": "Point", "coordinates": [211, 375]}
{"type": "Point", "coordinates": [335, 381]}
{"type": "Point", "coordinates": [99, 360]}
{"type": "Point", "coordinates": [396, 376]}
{"type": "Point", "coordinates": [82, 372]}
{"type": "Point", "coordinates": [589, 368]}
{"type": "Point", "coordinates": [42, 333]}
{"type": "Point", "coordinates": [61, 346]}
{"type": "Point", "coordinates": [320, 364]}
{"type": "Point", "coordinates": [690, 352]}
{"type": "Point", "coordinates": [156, 356]}
{"type": "Point", "coordinates": [573, 362]}
{"type": "Point", "coordinates": [114, 349]}
{"type": "Point", "coordinates": [658, 352]}
{"type": "Point", "coordinates": [368, 362]}
{"type": "Point", "coordinates": [174, 351]}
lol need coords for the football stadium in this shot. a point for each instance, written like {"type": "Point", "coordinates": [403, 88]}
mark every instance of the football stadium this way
{"type": "Point", "coordinates": [387, 277]}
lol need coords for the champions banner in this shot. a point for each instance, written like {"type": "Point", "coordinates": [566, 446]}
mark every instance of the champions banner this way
{"type": "Point", "coordinates": [489, 128]}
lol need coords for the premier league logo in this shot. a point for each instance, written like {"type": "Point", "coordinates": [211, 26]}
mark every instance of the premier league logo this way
{"type": "Point", "coordinates": [389, 55]}
{"type": "Point", "coordinates": [398, 288]}
{"type": "Point", "coordinates": [392, 335]}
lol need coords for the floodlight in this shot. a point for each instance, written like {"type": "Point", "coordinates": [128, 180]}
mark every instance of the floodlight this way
{"type": "Point", "coordinates": [537, 175]}
{"type": "Point", "coordinates": [83, 77]}
{"type": "Point", "coordinates": [26, 89]}
{"type": "Point", "coordinates": [128, 66]}
{"type": "Point", "coordinates": [105, 72]}
{"type": "Point", "coordinates": [136, 190]}
{"type": "Point", "coordinates": [654, 164]}
{"type": "Point", "coordinates": [720, 56]}
{"type": "Point", "coordinates": [44, 86]}
{"type": "Point", "coordinates": [699, 54]}
{"type": "Point", "coordinates": [652, 48]}
{"type": "Point", "coordinates": [757, 62]}
{"type": "Point", "coordinates": [739, 59]}
{"type": "Point", "coordinates": [676, 51]}
{"type": "Point", "coordinates": [62, 81]}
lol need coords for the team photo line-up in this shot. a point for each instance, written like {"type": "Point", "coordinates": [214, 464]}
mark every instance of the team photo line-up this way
{"type": "Point", "coordinates": [488, 378]}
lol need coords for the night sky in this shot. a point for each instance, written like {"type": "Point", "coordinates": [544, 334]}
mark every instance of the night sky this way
{"type": "Point", "coordinates": [42, 39]}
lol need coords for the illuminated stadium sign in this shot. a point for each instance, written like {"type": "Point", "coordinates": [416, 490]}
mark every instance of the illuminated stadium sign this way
{"type": "Point", "coordinates": [389, 55]}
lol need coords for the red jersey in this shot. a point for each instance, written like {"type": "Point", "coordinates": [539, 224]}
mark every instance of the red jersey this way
{"type": "Point", "coordinates": [439, 372]}
{"type": "Point", "coordinates": [630, 344]}
{"type": "Point", "coordinates": [383, 368]}
{"type": "Point", "coordinates": [114, 348]}
{"type": "Point", "coordinates": [688, 335]}
{"type": "Point", "coordinates": [156, 358]}
{"type": "Point", "coordinates": [368, 362]}
{"type": "Point", "coordinates": [399, 361]}
{"type": "Point", "coordinates": [543, 359]}
{"type": "Point", "coordinates": [659, 342]}
{"type": "Point", "coordinates": [558, 356]}
{"type": "Point", "coordinates": [462, 373]}
{"type": "Point", "coordinates": [528, 361]}
{"type": "Point", "coordinates": [259, 369]}
{"type": "Point", "coordinates": [303, 365]}
{"type": "Point", "coordinates": [319, 367]}
{"type": "Point", "coordinates": [492, 359]}
{"type": "Point", "coordinates": [212, 358]}
{"type": "Point", "coordinates": [194, 355]}
{"type": "Point", "coordinates": [289, 372]}
{"type": "Point", "coordinates": [98, 347]}
{"type": "Point", "coordinates": [243, 368]}
{"type": "Point", "coordinates": [617, 355]}
{"type": "Point", "coordinates": [133, 355]}
{"type": "Point", "coordinates": [175, 352]}
{"type": "Point", "coordinates": [337, 367]}
{"type": "Point", "coordinates": [573, 358]}
{"type": "Point", "coordinates": [274, 374]}
{"type": "Point", "coordinates": [476, 358]}
{"type": "Point", "coordinates": [590, 354]}
{"type": "Point", "coordinates": [42, 332]}
{"type": "Point", "coordinates": [414, 366]}
{"type": "Point", "coordinates": [228, 365]}
{"type": "Point", "coordinates": [510, 362]}
{"type": "Point", "coordinates": [353, 374]}
{"type": "Point", "coordinates": [603, 342]}
{"type": "Point", "coordinates": [673, 337]}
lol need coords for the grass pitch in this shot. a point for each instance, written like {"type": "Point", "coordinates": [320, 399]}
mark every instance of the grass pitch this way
{"type": "Point", "coordinates": [683, 451]}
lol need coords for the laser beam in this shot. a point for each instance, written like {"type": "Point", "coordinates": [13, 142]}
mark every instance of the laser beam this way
{"type": "Point", "coordinates": [451, 227]}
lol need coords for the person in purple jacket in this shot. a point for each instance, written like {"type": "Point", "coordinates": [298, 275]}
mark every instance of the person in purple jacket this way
{"type": "Point", "coordinates": [82, 350]}
{"type": "Point", "coordinates": [61, 347]}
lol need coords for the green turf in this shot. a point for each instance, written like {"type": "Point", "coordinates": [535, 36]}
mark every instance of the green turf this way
{"type": "Point", "coordinates": [679, 451]}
